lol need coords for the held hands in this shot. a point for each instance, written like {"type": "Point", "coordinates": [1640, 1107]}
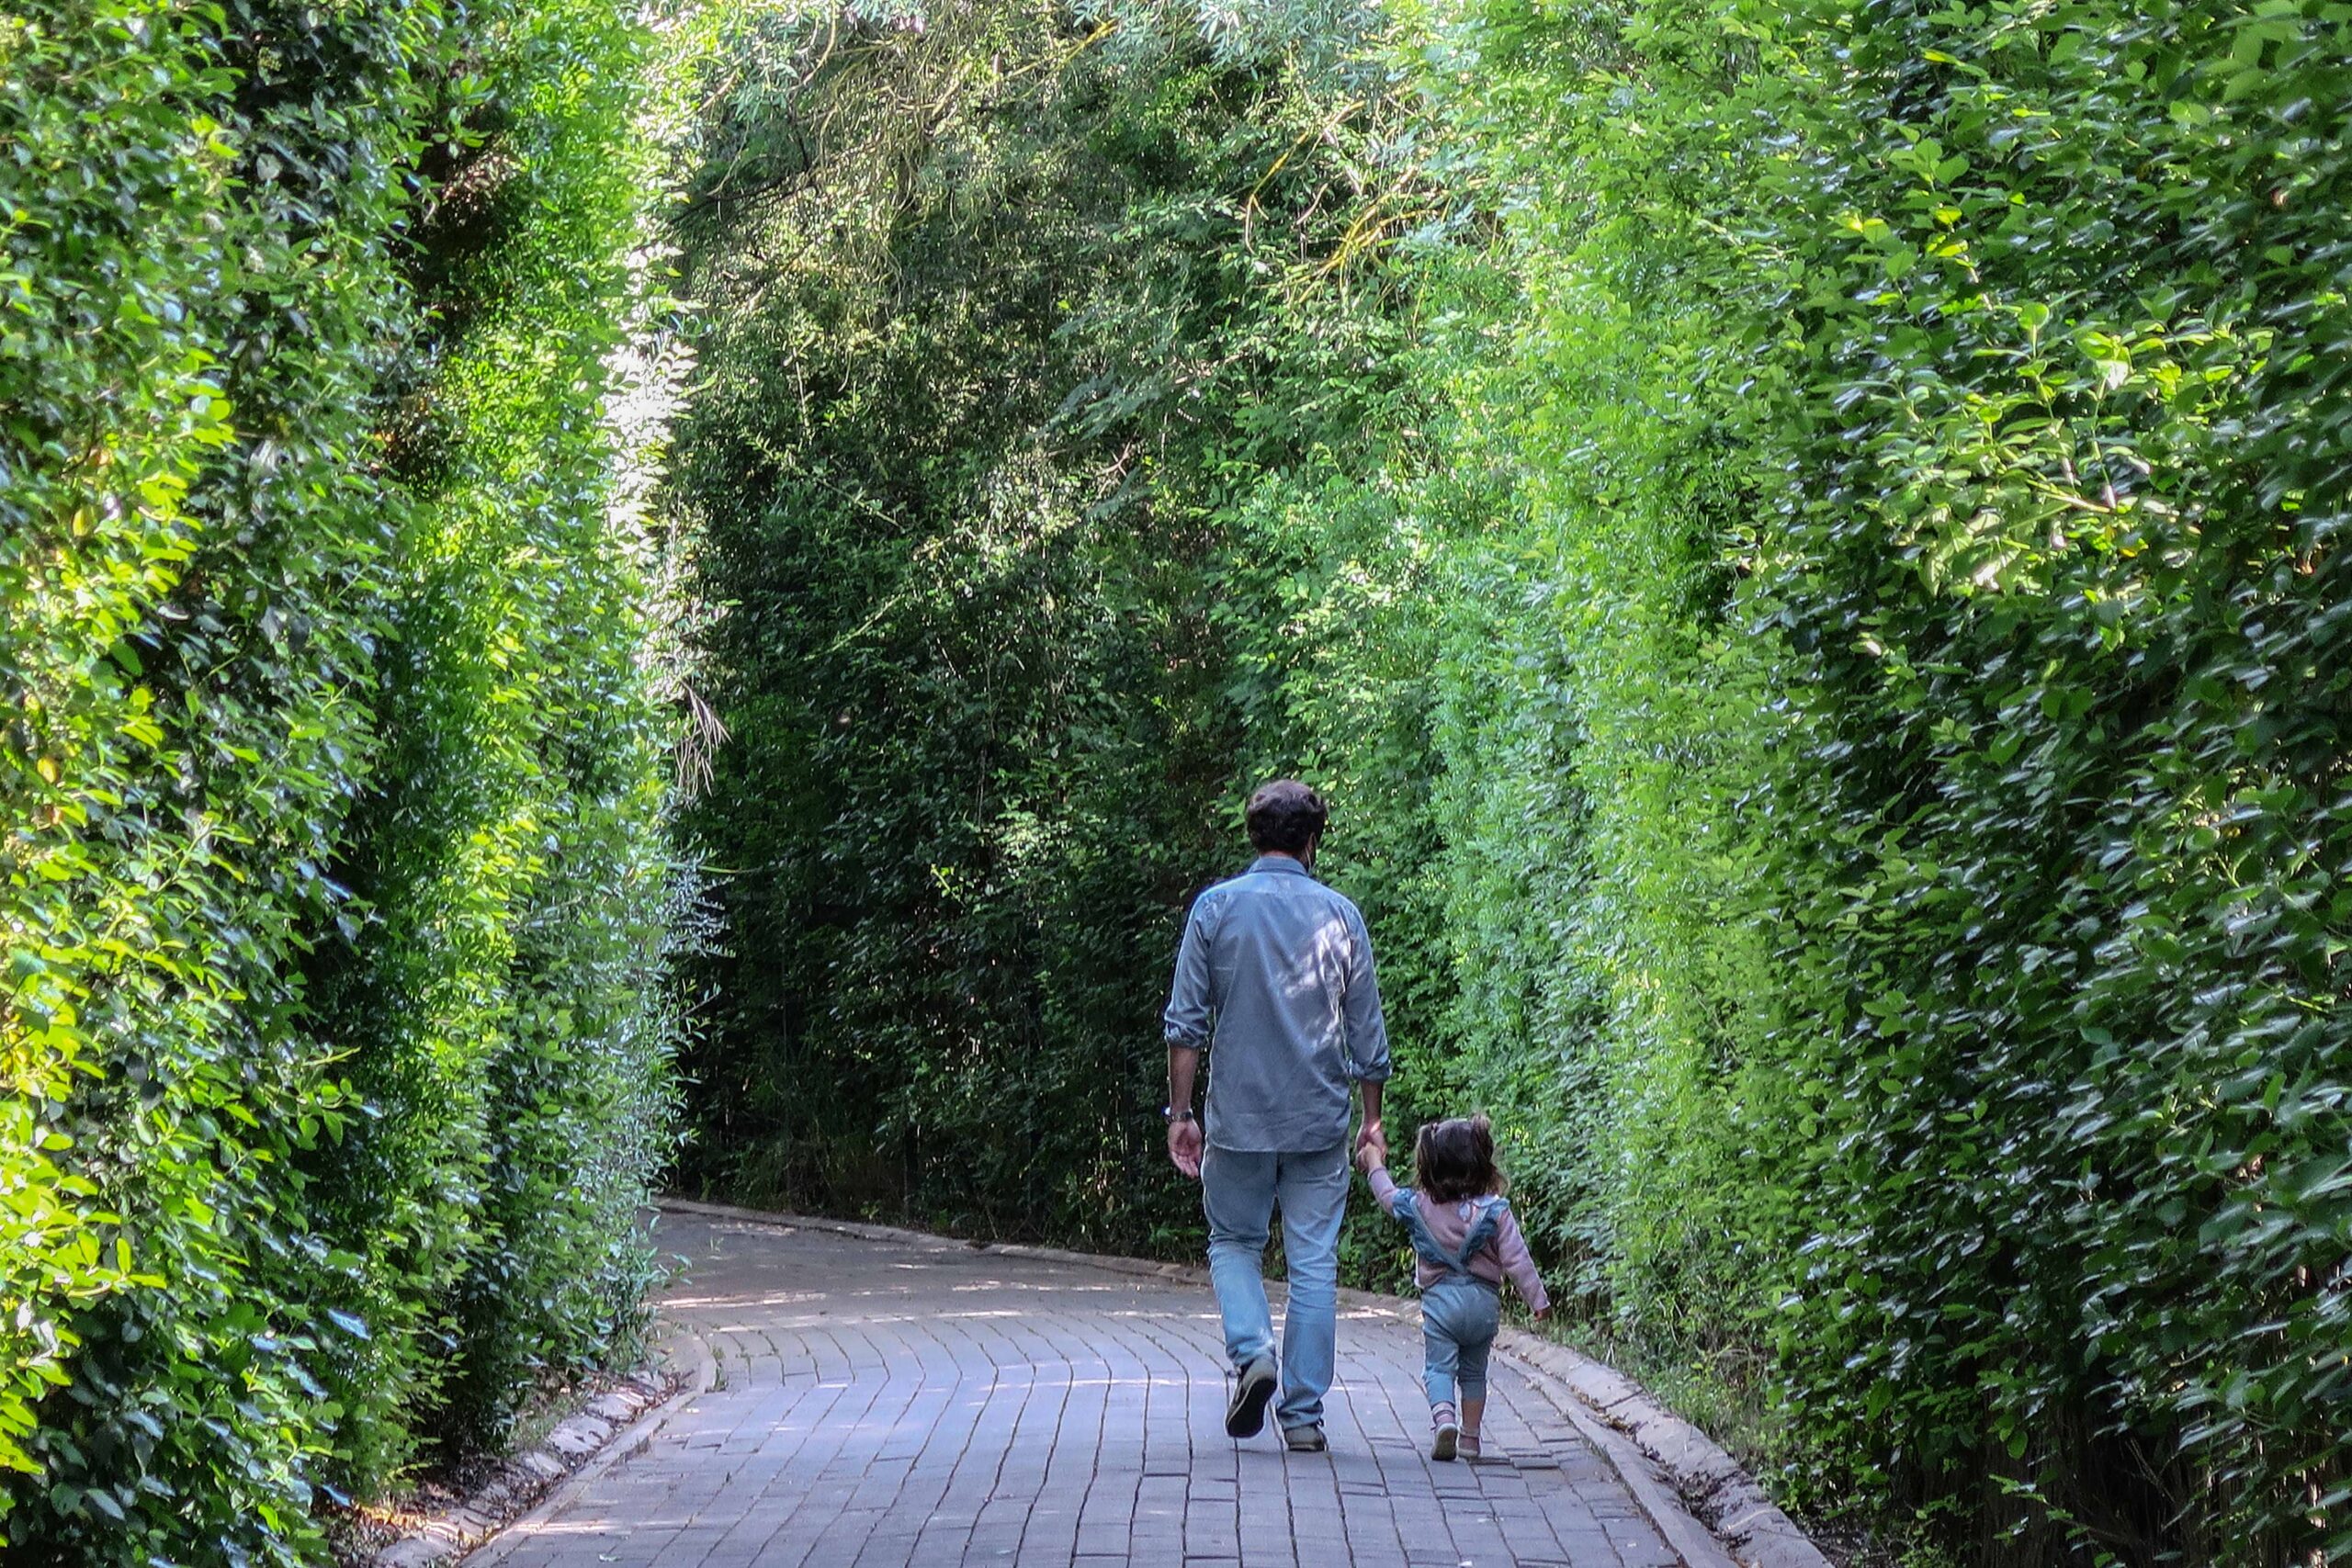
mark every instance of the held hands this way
{"type": "Point", "coordinates": [1184, 1146]}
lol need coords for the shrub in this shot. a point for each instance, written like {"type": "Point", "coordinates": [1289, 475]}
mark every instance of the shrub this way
{"type": "Point", "coordinates": [229, 640]}
{"type": "Point", "coordinates": [947, 483]}
{"type": "Point", "coordinates": [1933, 480]}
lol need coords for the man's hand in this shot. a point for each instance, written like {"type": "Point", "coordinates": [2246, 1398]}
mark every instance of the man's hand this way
{"type": "Point", "coordinates": [1371, 1147]}
{"type": "Point", "coordinates": [1184, 1146]}
{"type": "Point", "coordinates": [1370, 1133]}
{"type": "Point", "coordinates": [1183, 1132]}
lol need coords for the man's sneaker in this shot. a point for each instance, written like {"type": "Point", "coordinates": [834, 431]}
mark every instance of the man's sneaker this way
{"type": "Point", "coordinates": [1245, 1416]}
{"type": "Point", "coordinates": [1468, 1447]}
{"type": "Point", "coordinates": [1305, 1439]}
{"type": "Point", "coordinates": [1447, 1437]}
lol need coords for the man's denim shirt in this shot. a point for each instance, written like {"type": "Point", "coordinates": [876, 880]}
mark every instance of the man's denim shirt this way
{"type": "Point", "coordinates": [1283, 966]}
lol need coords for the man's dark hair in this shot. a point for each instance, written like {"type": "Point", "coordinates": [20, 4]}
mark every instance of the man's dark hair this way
{"type": "Point", "coordinates": [1284, 817]}
{"type": "Point", "coordinates": [1455, 1159]}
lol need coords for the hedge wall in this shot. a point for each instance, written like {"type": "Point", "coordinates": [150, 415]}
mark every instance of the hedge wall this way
{"type": "Point", "coordinates": [334, 1028]}
{"type": "Point", "coordinates": [1888, 723]}
{"type": "Point", "coordinates": [1805, 540]}
{"type": "Point", "coordinates": [977, 316]}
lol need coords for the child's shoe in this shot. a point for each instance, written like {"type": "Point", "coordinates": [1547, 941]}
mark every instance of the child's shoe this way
{"type": "Point", "coordinates": [1445, 1435]}
{"type": "Point", "coordinates": [1468, 1447]}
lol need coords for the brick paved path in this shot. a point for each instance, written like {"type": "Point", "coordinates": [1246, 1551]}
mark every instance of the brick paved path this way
{"type": "Point", "coordinates": [888, 1405]}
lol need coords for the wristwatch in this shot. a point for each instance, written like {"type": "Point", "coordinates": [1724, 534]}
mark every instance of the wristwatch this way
{"type": "Point", "coordinates": [1169, 1113]}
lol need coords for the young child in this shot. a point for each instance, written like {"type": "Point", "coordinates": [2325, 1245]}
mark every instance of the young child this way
{"type": "Point", "coordinates": [1466, 1242]}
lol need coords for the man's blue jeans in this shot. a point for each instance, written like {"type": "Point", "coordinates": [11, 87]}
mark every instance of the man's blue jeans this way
{"type": "Point", "coordinates": [1240, 1192]}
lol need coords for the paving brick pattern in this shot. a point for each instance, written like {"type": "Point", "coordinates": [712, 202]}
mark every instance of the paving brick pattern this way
{"type": "Point", "coordinates": [904, 1405]}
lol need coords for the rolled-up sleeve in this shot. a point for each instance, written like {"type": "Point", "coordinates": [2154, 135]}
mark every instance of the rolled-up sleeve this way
{"type": "Point", "coordinates": [1189, 1004]}
{"type": "Point", "coordinates": [1367, 1029]}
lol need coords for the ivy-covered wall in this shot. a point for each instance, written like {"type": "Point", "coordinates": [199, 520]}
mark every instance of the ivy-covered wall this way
{"type": "Point", "coordinates": [335, 1032]}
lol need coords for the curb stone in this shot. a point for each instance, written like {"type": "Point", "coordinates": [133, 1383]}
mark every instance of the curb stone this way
{"type": "Point", "coordinates": [697, 1369]}
{"type": "Point", "coordinates": [1736, 1507]}
{"type": "Point", "coordinates": [1672, 1468]}
{"type": "Point", "coordinates": [1652, 1446]}
{"type": "Point", "coordinates": [587, 1441]}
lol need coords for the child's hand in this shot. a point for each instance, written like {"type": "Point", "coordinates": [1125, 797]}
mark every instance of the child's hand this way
{"type": "Point", "coordinates": [1542, 1313]}
{"type": "Point", "coordinates": [1371, 1154]}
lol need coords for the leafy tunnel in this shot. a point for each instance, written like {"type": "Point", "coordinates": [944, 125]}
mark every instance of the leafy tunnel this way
{"type": "Point", "coordinates": [596, 598]}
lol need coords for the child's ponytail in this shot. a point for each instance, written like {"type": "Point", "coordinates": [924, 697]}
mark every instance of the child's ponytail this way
{"type": "Point", "coordinates": [1454, 1159]}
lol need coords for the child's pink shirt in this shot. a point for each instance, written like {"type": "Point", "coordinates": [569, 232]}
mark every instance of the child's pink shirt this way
{"type": "Point", "coordinates": [1505, 1258]}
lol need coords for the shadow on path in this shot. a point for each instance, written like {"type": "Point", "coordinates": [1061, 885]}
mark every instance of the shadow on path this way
{"type": "Point", "coordinates": [923, 1404]}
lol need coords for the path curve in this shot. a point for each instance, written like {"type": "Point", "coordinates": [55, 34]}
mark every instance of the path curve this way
{"type": "Point", "coordinates": [914, 1403]}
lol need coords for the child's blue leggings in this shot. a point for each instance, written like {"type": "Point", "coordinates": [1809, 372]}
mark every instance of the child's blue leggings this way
{"type": "Point", "coordinates": [1459, 1318]}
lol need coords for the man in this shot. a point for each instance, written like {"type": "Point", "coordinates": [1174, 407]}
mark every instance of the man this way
{"type": "Point", "coordinates": [1275, 976]}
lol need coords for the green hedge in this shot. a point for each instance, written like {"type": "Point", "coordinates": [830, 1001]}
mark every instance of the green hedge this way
{"type": "Point", "coordinates": [335, 1021]}
{"type": "Point", "coordinates": [975, 315]}
{"type": "Point", "coordinates": [2069, 749]}
{"type": "Point", "coordinates": [1803, 540]}
{"type": "Point", "coordinates": [1887, 721]}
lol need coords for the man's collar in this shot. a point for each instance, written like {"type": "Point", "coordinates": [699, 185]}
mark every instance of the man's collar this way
{"type": "Point", "coordinates": [1277, 862]}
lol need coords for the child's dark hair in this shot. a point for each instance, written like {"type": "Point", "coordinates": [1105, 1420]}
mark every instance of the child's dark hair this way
{"type": "Point", "coordinates": [1454, 1159]}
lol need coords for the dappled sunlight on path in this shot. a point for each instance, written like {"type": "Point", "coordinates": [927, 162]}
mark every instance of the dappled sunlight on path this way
{"type": "Point", "coordinates": [909, 1404]}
